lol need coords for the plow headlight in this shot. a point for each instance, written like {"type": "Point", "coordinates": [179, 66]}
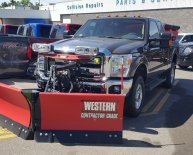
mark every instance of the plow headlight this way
{"type": "Point", "coordinates": [86, 51]}
{"type": "Point", "coordinates": [41, 48]}
{"type": "Point", "coordinates": [97, 61]}
{"type": "Point", "coordinates": [116, 63]}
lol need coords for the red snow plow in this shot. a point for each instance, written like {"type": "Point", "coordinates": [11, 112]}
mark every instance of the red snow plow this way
{"type": "Point", "coordinates": [65, 111]}
{"type": "Point", "coordinates": [62, 117]}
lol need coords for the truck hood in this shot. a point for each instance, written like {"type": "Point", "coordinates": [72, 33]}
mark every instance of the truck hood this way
{"type": "Point", "coordinates": [108, 45]}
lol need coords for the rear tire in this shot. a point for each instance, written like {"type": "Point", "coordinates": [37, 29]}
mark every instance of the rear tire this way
{"type": "Point", "coordinates": [183, 67]}
{"type": "Point", "coordinates": [134, 101]}
{"type": "Point", "coordinates": [170, 77]}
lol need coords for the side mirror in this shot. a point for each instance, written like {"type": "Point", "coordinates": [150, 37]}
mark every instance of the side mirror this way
{"type": "Point", "coordinates": [165, 36]}
{"type": "Point", "coordinates": [166, 40]}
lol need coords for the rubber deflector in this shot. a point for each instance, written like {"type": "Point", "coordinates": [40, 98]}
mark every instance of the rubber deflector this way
{"type": "Point", "coordinates": [79, 137]}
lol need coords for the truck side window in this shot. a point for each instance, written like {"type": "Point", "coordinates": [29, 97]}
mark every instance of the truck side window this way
{"type": "Point", "coordinates": [153, 30]}
{"type": "Point", "coordinates": [1, 29]}
{"type": "Point", "coordinates": [53, 33]}
{"type": "Point", "coordinates": [29, 31]}
{"type": "Point", "coordinates": [160, 26]}
{"type": "Point", "coordinates": [20, 30]}
{"type": "Point", "coordinates": [73, 29]}
{"type": "Point", "coordinates": [60, 32]}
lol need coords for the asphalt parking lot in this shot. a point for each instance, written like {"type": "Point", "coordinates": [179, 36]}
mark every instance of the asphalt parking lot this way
{"type": "Point", "coordinates": [164, 127]}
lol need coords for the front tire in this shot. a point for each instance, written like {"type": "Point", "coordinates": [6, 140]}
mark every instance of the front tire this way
{"type": "Point", "coordinates": [134, 101]}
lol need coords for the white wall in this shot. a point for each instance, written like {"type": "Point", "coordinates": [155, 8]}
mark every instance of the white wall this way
{"type": "Point", "coordinates": [94, 6]}
{"type": "Point", "coordinates": [21, 13]}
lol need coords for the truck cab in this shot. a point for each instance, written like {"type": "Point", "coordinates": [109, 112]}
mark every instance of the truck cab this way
{"type": "Point", "coordinates": [63, 31]}
{"type": "Point", "coordinates": [35, 30]}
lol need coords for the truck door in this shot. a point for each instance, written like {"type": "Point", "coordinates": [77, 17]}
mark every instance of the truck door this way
{"type": "Point", "coordinates": [155, 53]}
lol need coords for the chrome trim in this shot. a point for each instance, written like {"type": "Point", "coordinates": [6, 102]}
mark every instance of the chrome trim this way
{"type": "Point", "coordinates": [127, 84]}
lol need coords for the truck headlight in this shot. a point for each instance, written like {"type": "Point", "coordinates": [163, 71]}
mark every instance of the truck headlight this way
{"type": "Point", "coordinates": [116, 63]}
{"type": "Point", "coordinates": [41, 48]}
{"type": "Point", "coordinates": [187, 51]}
{"type": "Point", "coordinates": [41, 63]}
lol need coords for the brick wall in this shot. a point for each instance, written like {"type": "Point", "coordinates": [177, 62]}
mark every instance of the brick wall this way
{"type": "Point", "coordinates": [182, 17]}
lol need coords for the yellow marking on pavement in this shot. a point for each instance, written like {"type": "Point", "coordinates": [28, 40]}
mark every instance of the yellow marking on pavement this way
{"type": "Point", "coordinates": [147, 114]}
{"type": "Point", "coordinates": [160, 104]}
{"type": "Point", "coordinates": [7, 136]}
{"type": "Point", "coordinates": [4, 134]}
{"type": "Point", "coordinates": [151, 102]}
{"type": "Point", "coordinates": [163, 100]}
{"type": "Point", "coordinates": [4, 131]}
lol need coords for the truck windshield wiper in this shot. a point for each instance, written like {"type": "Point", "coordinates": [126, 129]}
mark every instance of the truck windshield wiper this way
{"type": "Point", "coordinates": [109, 37]}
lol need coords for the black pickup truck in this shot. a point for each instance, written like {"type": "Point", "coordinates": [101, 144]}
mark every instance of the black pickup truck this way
{"type": "Point", "coordinates": [137, 48]}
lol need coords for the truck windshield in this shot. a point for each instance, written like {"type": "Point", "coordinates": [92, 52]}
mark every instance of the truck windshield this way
{"type": "Point", "coordinates": [120, 28]}
{"type": "Point", "coordinates": [179, 37]}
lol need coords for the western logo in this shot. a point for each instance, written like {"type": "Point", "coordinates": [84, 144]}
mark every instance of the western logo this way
{"type": "Point", "coordinates": [100, 106]}
{"type": "Point", "coordinates": [98, 110]}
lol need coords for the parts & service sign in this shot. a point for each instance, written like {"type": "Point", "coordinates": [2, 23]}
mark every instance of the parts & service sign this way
{"type": "Point", "coordinates": [88, 6]}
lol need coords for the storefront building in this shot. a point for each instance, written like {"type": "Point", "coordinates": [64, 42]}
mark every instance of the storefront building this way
{"type": "Point", "coordinates": [179, 12]}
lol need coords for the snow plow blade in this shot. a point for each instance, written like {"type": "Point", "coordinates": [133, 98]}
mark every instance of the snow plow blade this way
{"type": "Point", "coordinates": [15, 112]}
{"type": "Point", "coordinates": [80, 118]}
{"type": "Point", "coordinates": [62, 117]}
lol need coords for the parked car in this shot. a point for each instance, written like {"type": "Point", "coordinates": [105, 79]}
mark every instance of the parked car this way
{"type": "Point", "coordinates": [185, 56]}
{"type": "Point", "coordinates": [35, 30]}
{"type": "Point", "coordinates": [63, 31]}
{"type": "Point", "coordinates": [8, 29]}
{"type": "Point", "coordinates": [184, 38]}
{"type": "Point", "coordinates": [184, 44]}
{"type": "Point", "coordinates": [16, 55]}
{"type": "Point", "coordinates": [113, 56]}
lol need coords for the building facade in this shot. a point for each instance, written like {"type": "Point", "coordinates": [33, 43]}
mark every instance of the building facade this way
{"type": "Point", "coordinates": [23, 15]}
{"type": "Point", "coordinates": [178, 12]}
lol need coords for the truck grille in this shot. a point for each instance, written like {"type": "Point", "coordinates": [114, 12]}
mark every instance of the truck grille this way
{"type": "Point", "coordinates": [92, 71]}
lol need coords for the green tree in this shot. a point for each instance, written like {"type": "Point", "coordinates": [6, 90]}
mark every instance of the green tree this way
{"type": "Point", "coordinates": [25, 2]}
{"type": "Point", "coordinates": [4, 4]}
{"type": "Point", "coordinates": [12, 2]}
